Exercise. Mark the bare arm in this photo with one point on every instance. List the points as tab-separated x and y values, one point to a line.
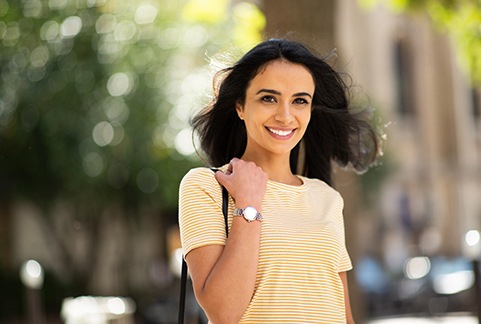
224	277
349	318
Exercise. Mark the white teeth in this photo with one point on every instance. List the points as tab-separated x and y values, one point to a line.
279	132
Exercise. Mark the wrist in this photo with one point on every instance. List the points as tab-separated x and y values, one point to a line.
249	213
246	203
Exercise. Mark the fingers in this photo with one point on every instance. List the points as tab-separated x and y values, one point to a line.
221	177
244	180
230	167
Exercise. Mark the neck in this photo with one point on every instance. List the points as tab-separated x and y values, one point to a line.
277	168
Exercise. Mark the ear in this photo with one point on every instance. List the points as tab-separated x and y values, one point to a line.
240	110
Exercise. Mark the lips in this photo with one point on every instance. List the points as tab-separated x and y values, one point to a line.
279	132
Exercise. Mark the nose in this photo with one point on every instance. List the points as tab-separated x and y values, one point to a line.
284	113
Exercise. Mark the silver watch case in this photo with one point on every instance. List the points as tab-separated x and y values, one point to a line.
249	213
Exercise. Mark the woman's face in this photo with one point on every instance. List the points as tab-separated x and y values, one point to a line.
277	108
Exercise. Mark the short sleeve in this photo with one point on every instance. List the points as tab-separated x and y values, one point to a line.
200	210
345	263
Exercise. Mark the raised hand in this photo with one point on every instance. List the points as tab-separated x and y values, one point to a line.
245	181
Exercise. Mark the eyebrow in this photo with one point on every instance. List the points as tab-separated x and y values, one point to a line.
298	94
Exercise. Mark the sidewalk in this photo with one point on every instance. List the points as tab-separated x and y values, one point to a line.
448	319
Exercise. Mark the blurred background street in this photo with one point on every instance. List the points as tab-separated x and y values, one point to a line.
95	102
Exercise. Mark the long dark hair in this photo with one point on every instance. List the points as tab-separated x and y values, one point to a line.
335	133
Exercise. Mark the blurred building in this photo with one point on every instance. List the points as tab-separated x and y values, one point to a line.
428	195
431	196
425	195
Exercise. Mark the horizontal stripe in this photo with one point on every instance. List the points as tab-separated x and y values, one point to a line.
302	246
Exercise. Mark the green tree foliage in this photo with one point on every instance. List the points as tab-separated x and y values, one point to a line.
461	19
95	99
90	91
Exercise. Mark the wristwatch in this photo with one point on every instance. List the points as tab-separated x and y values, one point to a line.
249	213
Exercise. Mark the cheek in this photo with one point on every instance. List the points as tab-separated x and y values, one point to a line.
306	117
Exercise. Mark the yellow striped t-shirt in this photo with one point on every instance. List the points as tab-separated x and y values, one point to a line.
302	246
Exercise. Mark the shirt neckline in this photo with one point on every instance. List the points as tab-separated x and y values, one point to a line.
285	186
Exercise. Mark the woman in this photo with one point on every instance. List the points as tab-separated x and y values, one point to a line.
278	118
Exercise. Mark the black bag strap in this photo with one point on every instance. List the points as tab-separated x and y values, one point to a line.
183	276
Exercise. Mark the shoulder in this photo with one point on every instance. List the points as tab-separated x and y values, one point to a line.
198	173
200	176
317	184
321	188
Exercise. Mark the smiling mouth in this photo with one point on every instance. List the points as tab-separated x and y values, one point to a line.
280	132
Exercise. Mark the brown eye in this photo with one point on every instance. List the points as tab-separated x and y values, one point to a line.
300	101
268	99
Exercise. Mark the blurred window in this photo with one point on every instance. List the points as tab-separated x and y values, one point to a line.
476	103
403	67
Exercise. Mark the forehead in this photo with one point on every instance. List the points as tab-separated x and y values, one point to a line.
282	74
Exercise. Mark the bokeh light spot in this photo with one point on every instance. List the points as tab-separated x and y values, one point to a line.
3	7
195	36
169	38
39	56
183	142
103	133
57	4
32	8
36	74
94	3
145	14
116	110
116	305
119	134
11	35
472	237
416	268
125	31
105	24
49	31
71	26
93	164
119	84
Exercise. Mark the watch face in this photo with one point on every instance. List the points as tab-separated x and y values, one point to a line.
250	213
